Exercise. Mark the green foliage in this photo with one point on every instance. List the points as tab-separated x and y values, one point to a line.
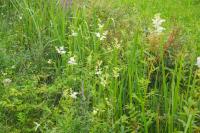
99	66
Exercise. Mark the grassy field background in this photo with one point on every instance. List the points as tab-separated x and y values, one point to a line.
98	66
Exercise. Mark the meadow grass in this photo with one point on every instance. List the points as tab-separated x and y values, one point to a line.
100	66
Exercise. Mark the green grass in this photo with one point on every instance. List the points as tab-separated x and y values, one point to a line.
128	79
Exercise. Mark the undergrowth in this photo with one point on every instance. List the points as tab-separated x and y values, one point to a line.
99	66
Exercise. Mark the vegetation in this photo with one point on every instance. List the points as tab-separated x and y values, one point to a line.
100	66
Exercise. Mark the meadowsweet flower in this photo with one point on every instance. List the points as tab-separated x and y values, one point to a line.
98	35
117	45
104	79
72	61
74	95
100	26
198	62
7	82
101	36
157	24
65	93
157	21
116	72
105	33
74	34
49	61
60	50
20	17
95	111
98	70
109	49
108	102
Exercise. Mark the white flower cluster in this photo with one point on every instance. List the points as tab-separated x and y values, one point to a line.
50	61
98	68
74	34
104	79
72	61
117	44
74	95
116	71
157	24
60	50
101	34
95	111
6	82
